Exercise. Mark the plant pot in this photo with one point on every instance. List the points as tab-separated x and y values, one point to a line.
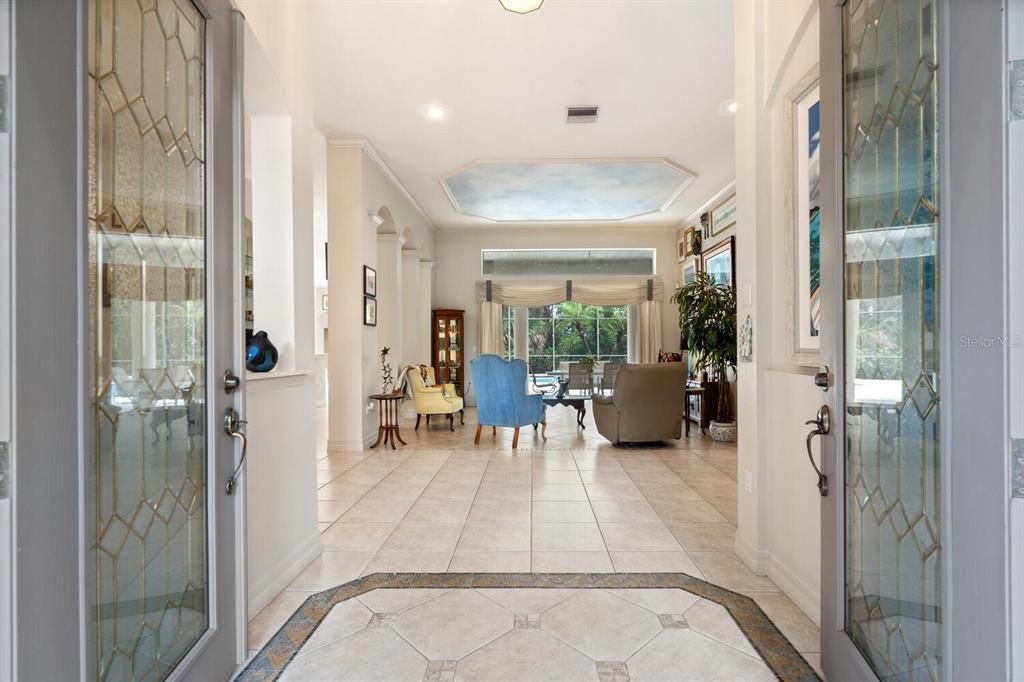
723	432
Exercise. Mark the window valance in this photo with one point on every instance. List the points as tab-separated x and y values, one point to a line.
605	291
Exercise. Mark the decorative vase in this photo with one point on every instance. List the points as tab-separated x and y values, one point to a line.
723	432
260	353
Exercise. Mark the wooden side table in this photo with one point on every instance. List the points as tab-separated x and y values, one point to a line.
700	393
388	407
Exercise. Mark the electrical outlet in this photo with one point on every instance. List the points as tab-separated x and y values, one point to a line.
370	407
748	481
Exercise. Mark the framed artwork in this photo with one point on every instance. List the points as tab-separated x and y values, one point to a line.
719	261
369	281
369	311
682	244
724	216
806	153
686	246
690	268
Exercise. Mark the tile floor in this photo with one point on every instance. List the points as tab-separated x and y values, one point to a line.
572	503
528	634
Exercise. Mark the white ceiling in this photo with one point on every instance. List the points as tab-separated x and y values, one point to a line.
661	71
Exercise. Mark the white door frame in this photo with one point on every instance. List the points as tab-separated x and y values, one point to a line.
972	278
51	410
6	577
1015	285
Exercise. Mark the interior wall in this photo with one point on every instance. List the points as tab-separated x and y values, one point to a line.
280	474
779	507
458	267
358	185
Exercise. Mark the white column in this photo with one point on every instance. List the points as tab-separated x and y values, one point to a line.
410	311
426	306
389	296
345	342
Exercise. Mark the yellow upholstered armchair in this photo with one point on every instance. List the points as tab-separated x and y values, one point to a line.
433	399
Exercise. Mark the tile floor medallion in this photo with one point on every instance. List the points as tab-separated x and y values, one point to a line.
564	559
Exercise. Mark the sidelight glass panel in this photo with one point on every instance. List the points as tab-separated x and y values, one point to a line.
893	500
147	305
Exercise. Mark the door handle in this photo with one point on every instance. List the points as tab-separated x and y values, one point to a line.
231	426
823	424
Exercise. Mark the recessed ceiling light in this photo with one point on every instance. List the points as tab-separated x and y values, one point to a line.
434	112
732	107
521	6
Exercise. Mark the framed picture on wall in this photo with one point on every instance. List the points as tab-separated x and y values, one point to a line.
369	311
681	246
369	281
719	261
690	268
724	216
807	136
686	243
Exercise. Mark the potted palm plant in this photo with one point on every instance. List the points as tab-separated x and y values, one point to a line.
707	320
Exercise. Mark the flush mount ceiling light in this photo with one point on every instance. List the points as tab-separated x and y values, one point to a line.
521	6
434	112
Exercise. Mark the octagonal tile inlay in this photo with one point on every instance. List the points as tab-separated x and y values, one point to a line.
576	190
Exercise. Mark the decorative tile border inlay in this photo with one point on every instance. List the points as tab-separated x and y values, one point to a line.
778	654
612	671
673	620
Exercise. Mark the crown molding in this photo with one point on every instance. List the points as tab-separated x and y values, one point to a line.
371	152
715	199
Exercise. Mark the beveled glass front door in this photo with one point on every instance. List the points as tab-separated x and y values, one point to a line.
148	248
892	501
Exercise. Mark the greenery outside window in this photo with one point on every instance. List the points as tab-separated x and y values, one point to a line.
576	332
508	329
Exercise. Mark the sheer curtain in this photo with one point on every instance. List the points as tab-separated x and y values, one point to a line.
648	332
491	331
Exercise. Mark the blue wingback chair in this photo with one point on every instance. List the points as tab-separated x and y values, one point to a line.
501	398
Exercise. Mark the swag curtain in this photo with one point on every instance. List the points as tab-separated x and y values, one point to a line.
647	292
532	293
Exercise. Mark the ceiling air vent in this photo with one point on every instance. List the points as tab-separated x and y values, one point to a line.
581	114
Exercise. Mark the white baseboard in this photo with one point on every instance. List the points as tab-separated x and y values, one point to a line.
799	592
348	444
756	561
286	570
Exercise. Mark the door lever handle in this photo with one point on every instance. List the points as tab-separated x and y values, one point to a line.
823	424
231	426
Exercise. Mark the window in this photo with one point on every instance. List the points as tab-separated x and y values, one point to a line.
573	332
508	328
567	262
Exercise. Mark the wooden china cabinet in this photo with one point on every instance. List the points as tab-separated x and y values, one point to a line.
446	348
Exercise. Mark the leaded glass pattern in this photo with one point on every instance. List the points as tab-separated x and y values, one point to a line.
146	209
892	411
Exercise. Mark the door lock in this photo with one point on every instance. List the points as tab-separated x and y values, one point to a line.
823	379
231	382
823	424
231	427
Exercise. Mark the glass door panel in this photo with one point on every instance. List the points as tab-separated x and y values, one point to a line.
147	257
893	576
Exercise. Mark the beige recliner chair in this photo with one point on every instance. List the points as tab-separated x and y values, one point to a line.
647	404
